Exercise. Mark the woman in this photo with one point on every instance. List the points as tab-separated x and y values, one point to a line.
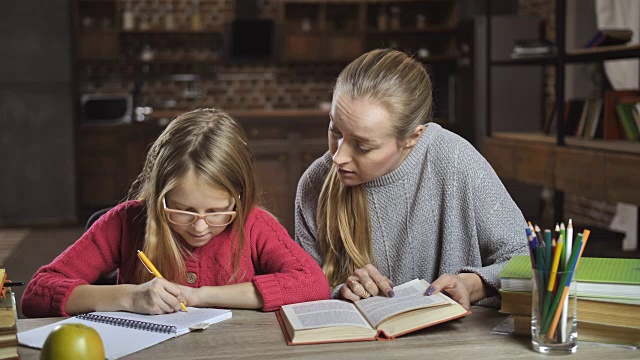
398	198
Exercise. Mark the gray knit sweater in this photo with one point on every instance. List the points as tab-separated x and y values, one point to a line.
443	210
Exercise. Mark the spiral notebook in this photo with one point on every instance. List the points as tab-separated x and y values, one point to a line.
117	329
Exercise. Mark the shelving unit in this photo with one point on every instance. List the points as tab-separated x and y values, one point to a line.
597	169
330	30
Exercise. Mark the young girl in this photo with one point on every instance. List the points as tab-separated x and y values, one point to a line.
195	217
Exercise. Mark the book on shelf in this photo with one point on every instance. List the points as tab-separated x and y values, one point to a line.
124	333
616	312
532	48
588	331
608	37
598	278
589	126
375	318
612	126
626	110
573	114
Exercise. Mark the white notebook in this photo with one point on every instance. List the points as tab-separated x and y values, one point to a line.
118	328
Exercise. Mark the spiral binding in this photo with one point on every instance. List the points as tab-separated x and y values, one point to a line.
134	324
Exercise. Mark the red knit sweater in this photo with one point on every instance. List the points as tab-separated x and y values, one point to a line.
282	272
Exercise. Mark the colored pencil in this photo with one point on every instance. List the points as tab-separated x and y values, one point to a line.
568	247
566	280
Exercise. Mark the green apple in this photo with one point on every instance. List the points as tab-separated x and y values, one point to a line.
73	341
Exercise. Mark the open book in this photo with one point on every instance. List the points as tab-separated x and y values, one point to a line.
374	318
124	333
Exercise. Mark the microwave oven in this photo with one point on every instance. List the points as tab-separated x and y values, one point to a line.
106	109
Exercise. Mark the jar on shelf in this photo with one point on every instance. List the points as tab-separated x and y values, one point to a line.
306	24
128	17
169	18
196	20
423	53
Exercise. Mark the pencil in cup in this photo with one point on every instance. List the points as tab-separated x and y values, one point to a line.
552	312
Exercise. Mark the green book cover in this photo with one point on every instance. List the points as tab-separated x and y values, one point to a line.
519	267
607	278
596	270
625	113
609	270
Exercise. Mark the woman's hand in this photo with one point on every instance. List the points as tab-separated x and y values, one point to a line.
366	282
464	288
158	296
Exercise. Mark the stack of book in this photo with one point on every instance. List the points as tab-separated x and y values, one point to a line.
532	48
609	37
608	298
8	319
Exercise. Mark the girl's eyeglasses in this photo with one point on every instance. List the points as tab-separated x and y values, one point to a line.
179	217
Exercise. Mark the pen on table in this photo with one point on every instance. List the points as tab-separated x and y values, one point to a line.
152	269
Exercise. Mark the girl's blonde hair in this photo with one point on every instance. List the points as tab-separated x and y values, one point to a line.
402	86
213	146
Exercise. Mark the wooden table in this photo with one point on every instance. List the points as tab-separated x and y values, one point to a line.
252	334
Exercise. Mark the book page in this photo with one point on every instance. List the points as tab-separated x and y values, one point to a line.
409	296
323	313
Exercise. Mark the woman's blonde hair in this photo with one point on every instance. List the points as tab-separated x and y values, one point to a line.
213	146
402	86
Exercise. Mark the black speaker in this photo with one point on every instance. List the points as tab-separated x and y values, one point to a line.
252	39
247	8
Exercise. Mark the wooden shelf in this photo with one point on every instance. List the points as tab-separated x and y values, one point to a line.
533	60
596	169
622	146
603	53
578	55
414	31
282	113
169	32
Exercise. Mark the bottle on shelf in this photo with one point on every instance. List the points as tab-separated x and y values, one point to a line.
395	18
421	21
169	17
128	18
145	24
382	18
196	21
155	19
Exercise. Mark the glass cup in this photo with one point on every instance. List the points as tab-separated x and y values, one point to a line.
554	313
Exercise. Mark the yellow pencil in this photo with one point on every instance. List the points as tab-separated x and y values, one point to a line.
556	261
152	269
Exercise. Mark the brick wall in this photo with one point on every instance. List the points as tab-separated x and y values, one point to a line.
215	82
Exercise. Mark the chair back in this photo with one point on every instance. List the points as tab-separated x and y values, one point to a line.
111	278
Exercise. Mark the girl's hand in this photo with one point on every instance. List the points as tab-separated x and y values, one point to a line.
366	282
191	296
464	288
158	296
